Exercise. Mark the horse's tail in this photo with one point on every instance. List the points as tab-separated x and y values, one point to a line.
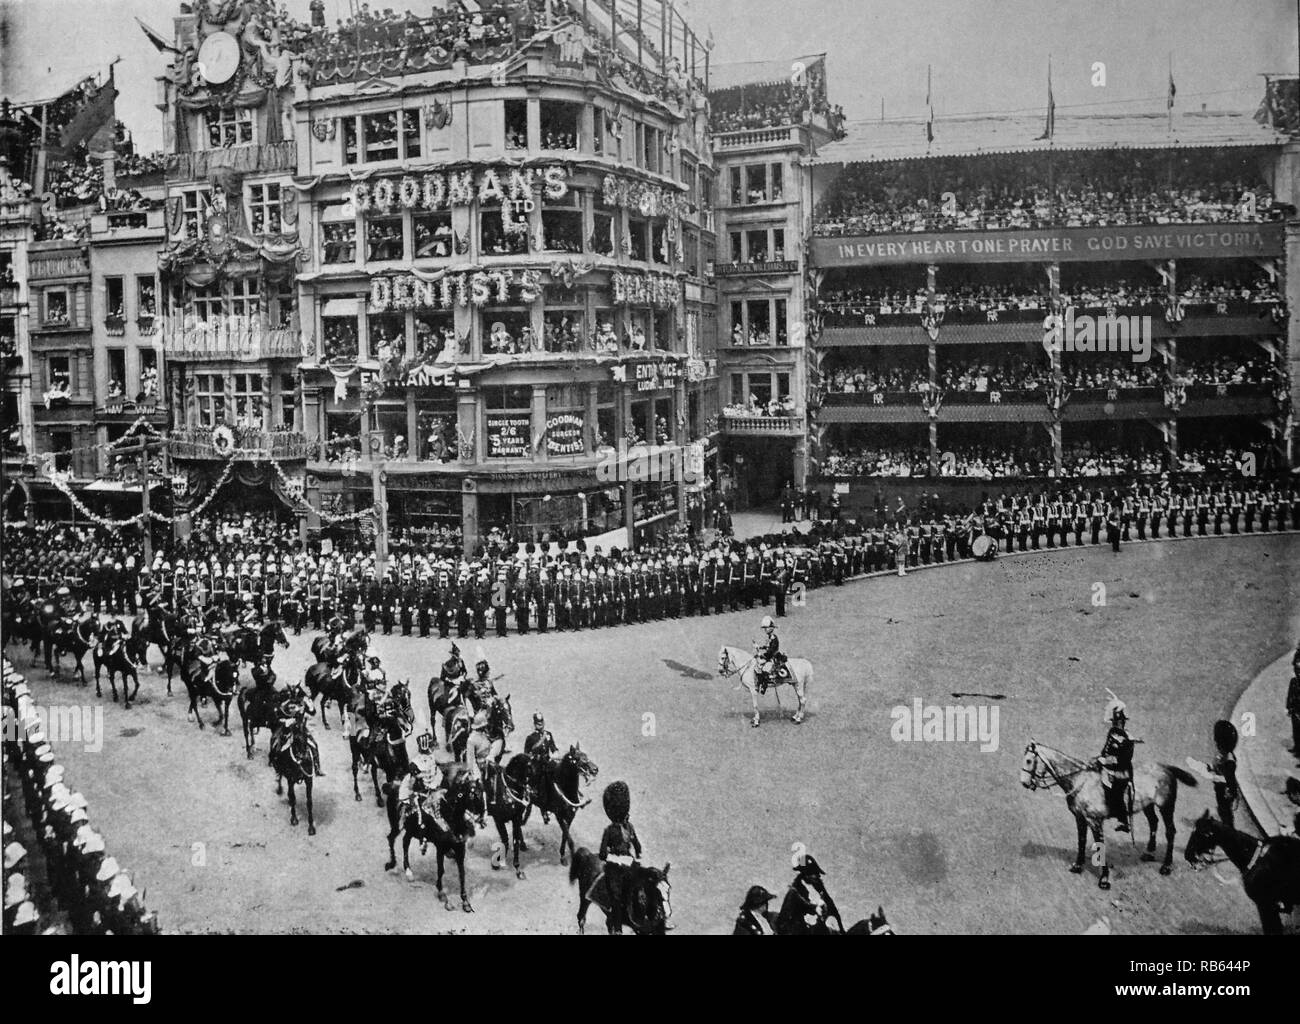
579	861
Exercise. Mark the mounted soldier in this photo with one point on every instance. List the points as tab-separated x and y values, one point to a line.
1116	762
807	905
540	747
770	663
620	850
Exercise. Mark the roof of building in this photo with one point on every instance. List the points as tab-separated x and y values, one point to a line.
878	141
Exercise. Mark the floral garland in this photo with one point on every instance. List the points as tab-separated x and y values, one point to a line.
649	200
305	505
60	482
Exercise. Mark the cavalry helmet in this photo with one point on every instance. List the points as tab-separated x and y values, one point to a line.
538	721
1225	736
767	622
617	800
1115	709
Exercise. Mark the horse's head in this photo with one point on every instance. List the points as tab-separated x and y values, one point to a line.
878	925
577	759
651	900
1034	773
725	667
501	715
466	800
1203	840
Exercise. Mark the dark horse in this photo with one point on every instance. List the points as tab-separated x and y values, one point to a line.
557	790
1270	868
447	822
154	626
67	637
510	799
248	646
217	682
256	711
381	745
115	656
291	758
646	903
325	683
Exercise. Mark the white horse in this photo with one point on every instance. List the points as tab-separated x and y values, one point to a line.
733	661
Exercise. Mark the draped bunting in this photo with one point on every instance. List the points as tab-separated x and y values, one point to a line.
306	184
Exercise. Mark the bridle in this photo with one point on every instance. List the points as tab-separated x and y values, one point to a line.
1049	776
726	669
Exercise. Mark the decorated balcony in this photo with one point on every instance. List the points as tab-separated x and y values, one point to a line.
764	426
224	442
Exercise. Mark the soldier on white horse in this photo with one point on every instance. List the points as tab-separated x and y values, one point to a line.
767	668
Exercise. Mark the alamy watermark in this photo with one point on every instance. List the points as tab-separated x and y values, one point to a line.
645	464
1083	332
945	723
62	723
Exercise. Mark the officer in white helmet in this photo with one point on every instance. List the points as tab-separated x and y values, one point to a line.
767	651
1116	761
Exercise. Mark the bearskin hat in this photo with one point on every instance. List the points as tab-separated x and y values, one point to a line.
618	802
1225	736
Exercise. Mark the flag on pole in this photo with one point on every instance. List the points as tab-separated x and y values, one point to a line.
929	103
1173	90
1049	129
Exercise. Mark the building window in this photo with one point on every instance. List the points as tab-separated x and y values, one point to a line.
146	297
61	445
116	372
435	335
432	233
603	238
559	123
759	326
338	235
232	127
494	237
778	322
386	336
288	387
410	134
637	229
210	393
383	239
59	374
379	134
660	252
148	374
737	247
562	222
598	131
286	305
350	140
57	309
243	298
507	398
247	394
206	303
340	333
264	209
757	245
516	112
194	212
115	298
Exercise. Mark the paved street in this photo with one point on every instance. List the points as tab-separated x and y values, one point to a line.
939	833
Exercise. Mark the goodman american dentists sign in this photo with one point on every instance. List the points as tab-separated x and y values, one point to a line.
1171	241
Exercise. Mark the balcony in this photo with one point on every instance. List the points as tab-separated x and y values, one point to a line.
763	426
231	338
126	410
200	165
246	445
782	136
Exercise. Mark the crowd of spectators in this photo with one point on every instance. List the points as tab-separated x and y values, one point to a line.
1090	372
1085	459
773	408
997	193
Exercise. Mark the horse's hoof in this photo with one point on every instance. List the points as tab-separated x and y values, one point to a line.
410	875
564	859
1166	869
379	801
523	847
754	724
294	820
358	798
1104	884
390	865
465	906
1076	869
520	875
1147	858
311	830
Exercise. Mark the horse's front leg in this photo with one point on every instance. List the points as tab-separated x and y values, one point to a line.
1077	866
311	820
374	781
320	709
459	854
356	757
1099	853
293	803
1149	854
1167	812
135	689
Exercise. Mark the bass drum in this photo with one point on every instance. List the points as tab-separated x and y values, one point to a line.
983	548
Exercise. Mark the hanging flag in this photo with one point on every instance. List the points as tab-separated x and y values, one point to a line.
929	121
1049	129
1173	90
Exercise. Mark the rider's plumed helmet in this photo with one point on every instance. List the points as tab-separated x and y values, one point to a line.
617	800
1115	711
